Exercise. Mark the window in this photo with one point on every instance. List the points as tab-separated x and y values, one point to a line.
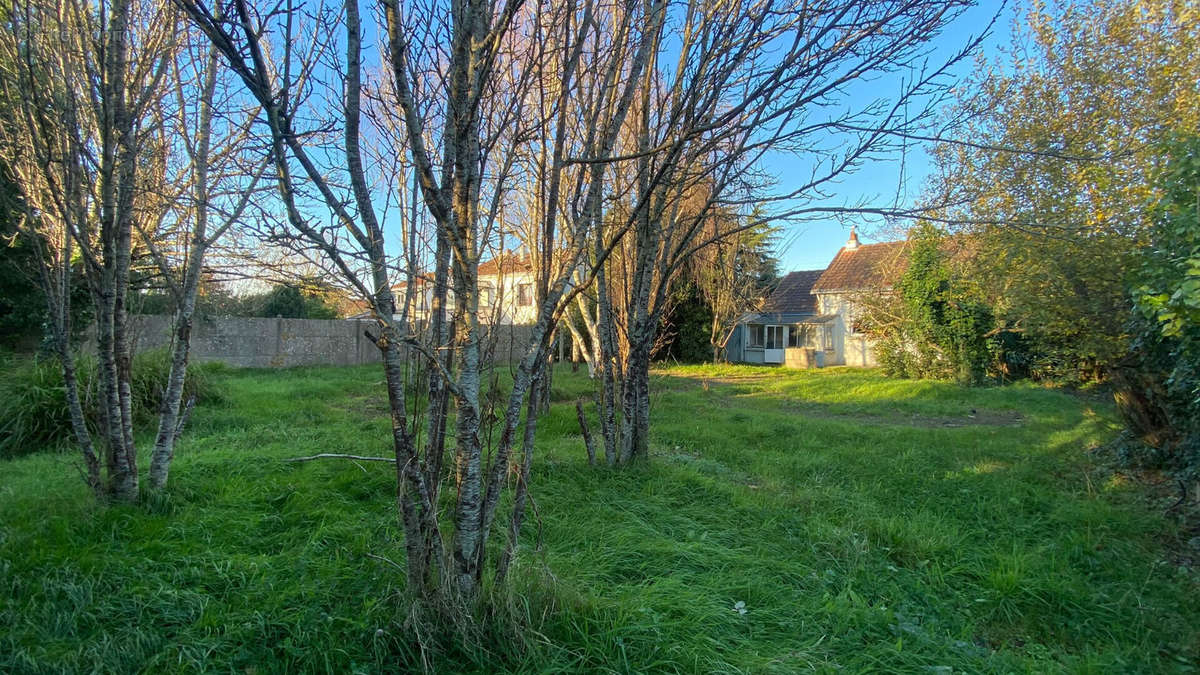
796	335
756	335
774	337
524	294
827	337
487	295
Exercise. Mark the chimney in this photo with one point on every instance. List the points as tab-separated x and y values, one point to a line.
852	242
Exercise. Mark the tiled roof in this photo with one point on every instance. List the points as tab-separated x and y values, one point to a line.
865	267
794	293
350	307
506	263
421	280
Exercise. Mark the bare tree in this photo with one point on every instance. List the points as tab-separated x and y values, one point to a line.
84	147
474	100
616	163
729	273
747	79
216	182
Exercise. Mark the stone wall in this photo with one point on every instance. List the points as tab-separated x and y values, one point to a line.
279	343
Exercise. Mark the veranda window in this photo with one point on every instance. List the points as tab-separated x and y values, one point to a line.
756	335
774	337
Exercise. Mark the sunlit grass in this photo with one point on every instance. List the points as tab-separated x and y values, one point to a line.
862	523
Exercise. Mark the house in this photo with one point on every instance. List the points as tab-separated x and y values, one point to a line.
810	319
857	269
506	292
787	330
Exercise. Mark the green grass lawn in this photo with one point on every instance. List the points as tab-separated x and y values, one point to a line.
866	524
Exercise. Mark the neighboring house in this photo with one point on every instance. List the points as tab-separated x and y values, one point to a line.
787	330
810	319
506	292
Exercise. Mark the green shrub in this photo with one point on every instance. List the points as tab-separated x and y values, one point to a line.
1158	387
894	357
936	326
33	401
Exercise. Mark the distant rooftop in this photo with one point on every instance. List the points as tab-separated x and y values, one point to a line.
506	263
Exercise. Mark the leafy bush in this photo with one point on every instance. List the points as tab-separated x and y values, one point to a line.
33	401
893	357
1158	390
935	327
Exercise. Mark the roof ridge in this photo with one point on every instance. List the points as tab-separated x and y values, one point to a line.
862	267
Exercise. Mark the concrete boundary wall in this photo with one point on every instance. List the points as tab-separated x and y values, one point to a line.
279	343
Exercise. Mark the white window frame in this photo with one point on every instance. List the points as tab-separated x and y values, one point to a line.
798	334
750	342
773	337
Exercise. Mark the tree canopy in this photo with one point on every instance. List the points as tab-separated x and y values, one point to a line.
1062	143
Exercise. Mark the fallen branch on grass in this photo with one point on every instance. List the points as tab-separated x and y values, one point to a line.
183	419
330	455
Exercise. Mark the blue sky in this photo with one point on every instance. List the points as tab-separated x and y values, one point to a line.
813	244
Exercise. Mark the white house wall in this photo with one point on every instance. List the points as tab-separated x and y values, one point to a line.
504	308
851	349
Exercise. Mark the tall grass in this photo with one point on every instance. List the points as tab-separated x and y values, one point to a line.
864	524
33	401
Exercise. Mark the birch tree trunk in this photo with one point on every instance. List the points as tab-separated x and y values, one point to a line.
79	151
168	418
